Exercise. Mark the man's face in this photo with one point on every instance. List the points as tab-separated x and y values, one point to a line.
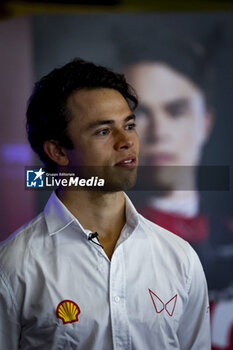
103	134
172	120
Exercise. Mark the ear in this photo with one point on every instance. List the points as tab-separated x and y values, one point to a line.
209	123
56	152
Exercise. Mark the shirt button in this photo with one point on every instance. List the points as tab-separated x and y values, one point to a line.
100	254
116	299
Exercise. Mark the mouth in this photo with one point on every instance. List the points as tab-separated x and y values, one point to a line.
129	162
161	159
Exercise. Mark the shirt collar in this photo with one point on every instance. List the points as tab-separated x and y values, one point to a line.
58	217
132	216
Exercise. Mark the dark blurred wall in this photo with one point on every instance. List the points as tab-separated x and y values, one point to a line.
17	205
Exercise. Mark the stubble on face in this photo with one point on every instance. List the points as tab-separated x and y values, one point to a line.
118	179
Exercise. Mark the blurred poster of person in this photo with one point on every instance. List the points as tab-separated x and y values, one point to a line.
175	117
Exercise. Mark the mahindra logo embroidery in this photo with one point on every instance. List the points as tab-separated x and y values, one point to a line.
160	306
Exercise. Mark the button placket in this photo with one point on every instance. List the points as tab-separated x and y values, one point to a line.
99	261
119	318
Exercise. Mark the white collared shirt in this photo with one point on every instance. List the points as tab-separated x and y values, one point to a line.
152	295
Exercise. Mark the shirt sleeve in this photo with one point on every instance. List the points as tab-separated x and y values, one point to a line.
9	325
194	328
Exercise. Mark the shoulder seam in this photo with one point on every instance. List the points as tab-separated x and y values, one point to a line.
190	275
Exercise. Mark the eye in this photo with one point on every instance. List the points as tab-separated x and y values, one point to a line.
142	112
102	132
178	109
131	126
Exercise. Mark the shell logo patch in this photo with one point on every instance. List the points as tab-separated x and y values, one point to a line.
68	311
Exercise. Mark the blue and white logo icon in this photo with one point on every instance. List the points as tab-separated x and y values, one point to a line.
35	178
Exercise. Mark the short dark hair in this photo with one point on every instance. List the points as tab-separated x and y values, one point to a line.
47	113
187	54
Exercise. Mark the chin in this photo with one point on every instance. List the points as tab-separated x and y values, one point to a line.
123	183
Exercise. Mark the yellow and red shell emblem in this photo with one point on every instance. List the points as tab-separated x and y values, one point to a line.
68	311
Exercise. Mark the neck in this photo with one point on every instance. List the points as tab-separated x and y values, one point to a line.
180	194
185	203
102	212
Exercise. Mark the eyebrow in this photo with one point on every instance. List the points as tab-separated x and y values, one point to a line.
108	122
185	101
181	101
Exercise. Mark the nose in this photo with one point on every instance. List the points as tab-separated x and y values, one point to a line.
123	140
157	129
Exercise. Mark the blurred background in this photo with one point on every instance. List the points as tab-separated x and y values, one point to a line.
163	48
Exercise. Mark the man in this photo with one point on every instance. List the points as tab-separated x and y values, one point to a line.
138	286
174	121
